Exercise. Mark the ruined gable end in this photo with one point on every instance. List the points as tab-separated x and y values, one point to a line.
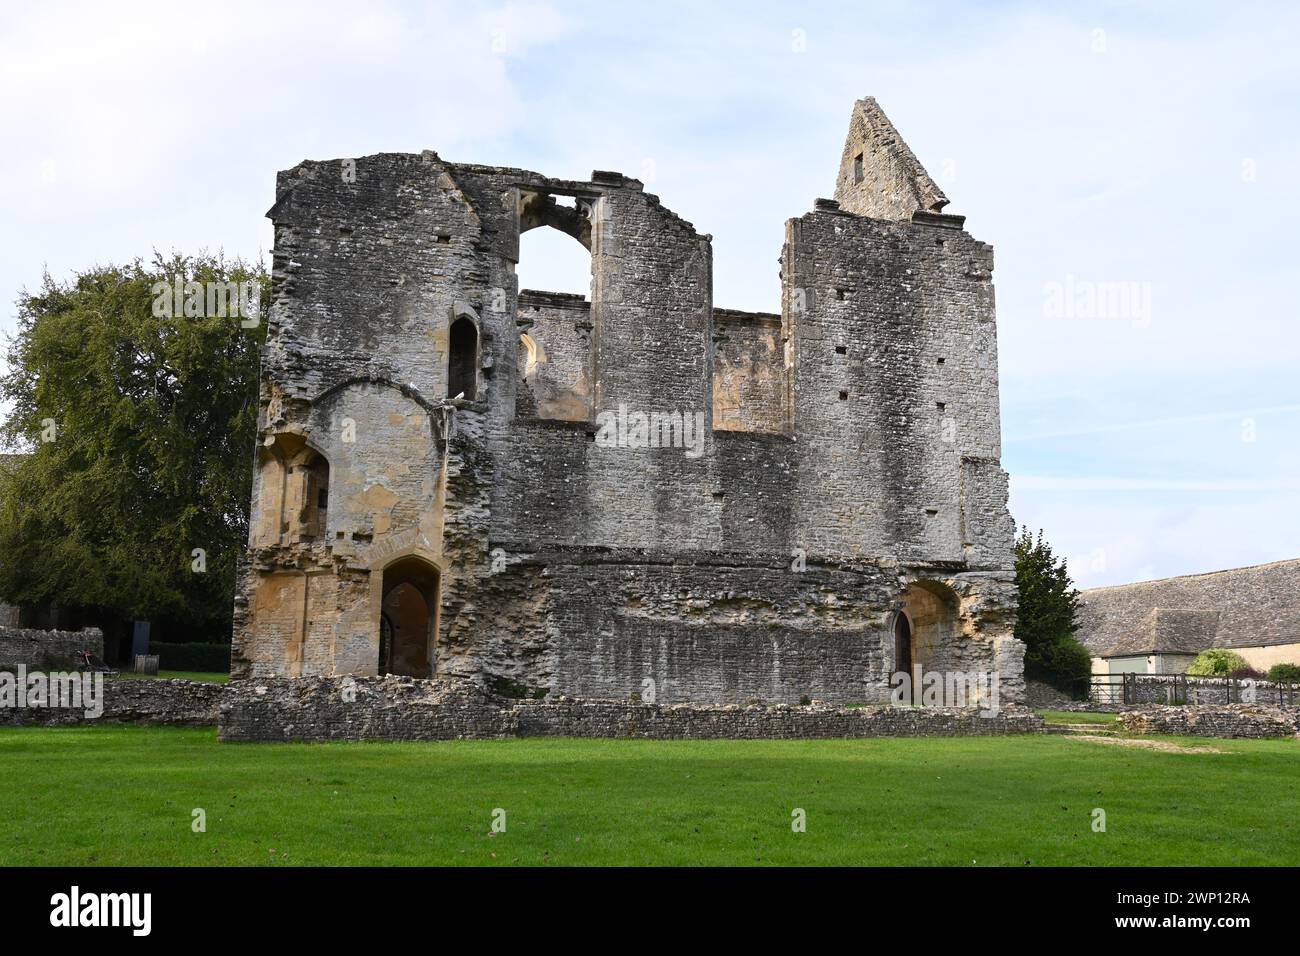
879	175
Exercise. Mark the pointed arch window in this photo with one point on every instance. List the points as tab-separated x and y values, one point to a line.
462	360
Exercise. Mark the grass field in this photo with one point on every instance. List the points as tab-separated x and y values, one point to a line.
124	795
210	676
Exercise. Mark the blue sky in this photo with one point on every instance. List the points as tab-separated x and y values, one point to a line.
1148	147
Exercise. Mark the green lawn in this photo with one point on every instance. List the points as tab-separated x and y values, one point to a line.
210	676
124	795
1077	717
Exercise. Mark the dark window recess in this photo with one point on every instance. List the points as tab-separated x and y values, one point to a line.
841	350
857	168
462	360
844	396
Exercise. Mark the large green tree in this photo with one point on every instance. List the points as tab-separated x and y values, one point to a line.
138	423
1046	619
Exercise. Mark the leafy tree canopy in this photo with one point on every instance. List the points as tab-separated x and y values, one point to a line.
1284	672
138	430
1046	619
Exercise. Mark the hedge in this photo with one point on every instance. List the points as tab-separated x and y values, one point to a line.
192	657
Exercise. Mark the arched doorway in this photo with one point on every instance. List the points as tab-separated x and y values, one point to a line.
902	645
928	622
409	619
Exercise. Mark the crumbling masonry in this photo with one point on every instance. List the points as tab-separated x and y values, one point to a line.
455	477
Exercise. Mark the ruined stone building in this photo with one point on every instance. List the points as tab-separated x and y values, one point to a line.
633	492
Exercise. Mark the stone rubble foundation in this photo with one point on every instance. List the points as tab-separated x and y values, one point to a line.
317	709
403	708
1225	720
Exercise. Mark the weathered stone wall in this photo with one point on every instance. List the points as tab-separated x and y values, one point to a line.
750	380
556	367
1228	720
896	390
854	455
37	649
717	628
136	701
395	708
1152	689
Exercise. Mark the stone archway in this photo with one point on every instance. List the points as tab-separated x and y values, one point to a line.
930	612
409	618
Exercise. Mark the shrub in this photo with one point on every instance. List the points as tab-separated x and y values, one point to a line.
1285	673
1063	663
1247	673
213	658
1216	662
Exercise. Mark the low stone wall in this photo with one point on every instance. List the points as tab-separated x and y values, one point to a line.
129	700
398	708
1086	707
1199	691
1042	696
1226	720
34	648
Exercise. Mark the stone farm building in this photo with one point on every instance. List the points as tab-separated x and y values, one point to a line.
1158	627
575	495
